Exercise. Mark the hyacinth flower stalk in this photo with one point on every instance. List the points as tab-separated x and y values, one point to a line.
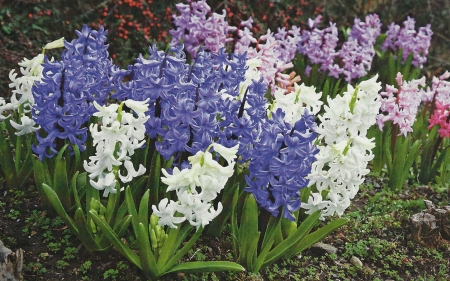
15	150
161	234
120	134
344	149
63	105
269	227
397	148
352	61
435	113
402	49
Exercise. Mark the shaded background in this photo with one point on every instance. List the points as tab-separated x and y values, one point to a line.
27	25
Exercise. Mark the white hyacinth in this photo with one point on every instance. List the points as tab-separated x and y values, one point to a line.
345	150
120	134
196	187
295	103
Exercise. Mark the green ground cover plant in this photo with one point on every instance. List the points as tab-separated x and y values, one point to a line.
151	140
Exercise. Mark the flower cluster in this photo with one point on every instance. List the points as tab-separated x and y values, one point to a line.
295	103
195	29
354	58
319	45
409	41
31	71
196	187
400	105
185	99
342	160
64	96
440	94
274	52
357	52
281	158
121	133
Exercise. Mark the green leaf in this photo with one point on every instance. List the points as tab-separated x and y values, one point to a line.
179	254
143	209
234	225
286	248
115	240
153	182
61	183
319	234
148	261
85	232
248	229
56	203
122	226
7	159
206	266
132	210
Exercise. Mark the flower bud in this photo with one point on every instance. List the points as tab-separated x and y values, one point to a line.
55	44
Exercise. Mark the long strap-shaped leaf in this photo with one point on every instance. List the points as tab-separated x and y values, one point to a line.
56	203
120	246
148	261
248	232
206	266
86	236
319	234
285	248
273	227
179	254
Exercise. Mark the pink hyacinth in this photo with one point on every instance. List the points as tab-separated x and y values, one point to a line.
440	117
440	93
400	105
275	51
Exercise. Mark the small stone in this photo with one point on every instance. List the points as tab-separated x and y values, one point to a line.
327	248
356	262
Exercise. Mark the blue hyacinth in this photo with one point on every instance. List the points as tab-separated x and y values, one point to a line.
186	101
280	159
64	98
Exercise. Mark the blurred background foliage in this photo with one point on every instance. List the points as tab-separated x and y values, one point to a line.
27	25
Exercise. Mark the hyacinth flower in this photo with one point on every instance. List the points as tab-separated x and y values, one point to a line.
16	165
161	235
403	50
323	65
281	153
273	51
434	155
344	149
196	187
357	53
396	148
184	100
63	98
198	27
121	133
118	136
409	40
196	31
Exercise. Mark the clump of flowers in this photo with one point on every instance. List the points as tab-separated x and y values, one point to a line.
399	105
319	45
282	151
409	41
440	93
121	133
344	150
353	60
65	94
196	187
195	29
